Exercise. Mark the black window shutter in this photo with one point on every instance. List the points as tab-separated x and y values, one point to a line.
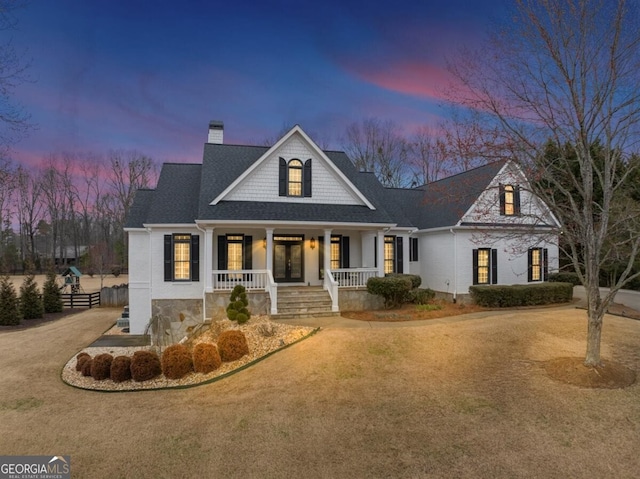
321	257
168	258
494	266
545	264
344	252
516	200
283	177
375	251
399	255
222	252
307	178
414	250
475	266
195	258
501	190
530	265
248	252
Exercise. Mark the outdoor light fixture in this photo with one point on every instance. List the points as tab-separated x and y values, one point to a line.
264	242
312	243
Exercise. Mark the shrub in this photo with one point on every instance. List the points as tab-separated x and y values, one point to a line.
565	278
9	304
495	296
145	365
101	366
232	345
51	296
30	302
421	295
121	369
206	358
237	309
415	279
86	367
394	289
80	360
176	361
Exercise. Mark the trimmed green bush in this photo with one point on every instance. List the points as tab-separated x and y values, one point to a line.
51	296
30	302
9	304
237	309
176	361
206	358
421	295
415	279
145	365
565	278
232	345
394	289
121	369
495	296
101	367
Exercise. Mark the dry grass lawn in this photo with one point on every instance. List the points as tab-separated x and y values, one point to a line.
465	398
88	284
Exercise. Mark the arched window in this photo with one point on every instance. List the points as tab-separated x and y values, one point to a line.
294	175
509	200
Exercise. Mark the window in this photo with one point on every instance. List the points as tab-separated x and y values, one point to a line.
485	266
235	252
295	177
181	257
538	264
413	249
389	254
335	252
235	245
509	200
338	253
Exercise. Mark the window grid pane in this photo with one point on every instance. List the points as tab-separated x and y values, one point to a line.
536	265
295	178
389	256
509	209
335	255
483	266
182	257
234	256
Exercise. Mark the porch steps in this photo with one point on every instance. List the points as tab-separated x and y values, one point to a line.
303	302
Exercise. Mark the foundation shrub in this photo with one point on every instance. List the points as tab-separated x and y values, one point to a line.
81	359
86	367
421	295
237	309
176	361
206	358
145	365
232	345
101	367
394	289
121	369
495	296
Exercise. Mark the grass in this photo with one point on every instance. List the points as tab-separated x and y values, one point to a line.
428	307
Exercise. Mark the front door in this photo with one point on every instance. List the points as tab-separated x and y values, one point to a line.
288	257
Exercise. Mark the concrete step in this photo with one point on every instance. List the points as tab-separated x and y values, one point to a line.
323	314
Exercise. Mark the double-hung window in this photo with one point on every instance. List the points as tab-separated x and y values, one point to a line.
538	264
181	257
295	177
485	266
510	200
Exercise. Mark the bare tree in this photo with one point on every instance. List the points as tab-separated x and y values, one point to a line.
379	147
29	211
567	71
430	159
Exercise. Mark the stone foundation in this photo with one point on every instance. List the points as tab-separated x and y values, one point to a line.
358	300
216	304
178	318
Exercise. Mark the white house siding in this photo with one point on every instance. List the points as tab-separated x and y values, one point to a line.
139	284
262	184
441	251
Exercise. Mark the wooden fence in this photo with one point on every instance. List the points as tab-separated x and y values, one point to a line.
114	297
81	300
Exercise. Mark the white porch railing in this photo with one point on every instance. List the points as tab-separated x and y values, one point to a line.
331	285
353	277
251	279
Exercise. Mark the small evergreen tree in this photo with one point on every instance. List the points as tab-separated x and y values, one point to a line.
30	301
9	310
51	296
237	309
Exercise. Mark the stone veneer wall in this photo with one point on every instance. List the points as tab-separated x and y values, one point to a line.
216	304
358	300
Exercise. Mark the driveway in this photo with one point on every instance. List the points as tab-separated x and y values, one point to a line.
463	398
624	296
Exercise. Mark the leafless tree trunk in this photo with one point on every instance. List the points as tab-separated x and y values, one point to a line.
29	210
429	157
567	71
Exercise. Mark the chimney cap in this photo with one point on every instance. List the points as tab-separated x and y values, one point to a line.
216	125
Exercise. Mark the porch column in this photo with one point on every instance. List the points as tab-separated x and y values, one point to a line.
327	250
269	252
208	259
405	254
380	253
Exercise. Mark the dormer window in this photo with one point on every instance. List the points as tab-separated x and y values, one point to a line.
509	200
295	177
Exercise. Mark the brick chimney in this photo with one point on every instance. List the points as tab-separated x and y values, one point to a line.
216	132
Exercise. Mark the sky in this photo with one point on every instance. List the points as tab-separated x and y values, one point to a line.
149	76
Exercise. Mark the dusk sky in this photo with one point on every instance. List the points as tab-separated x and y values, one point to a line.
151	75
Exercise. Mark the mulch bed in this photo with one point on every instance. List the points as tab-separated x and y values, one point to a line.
46	319
608	375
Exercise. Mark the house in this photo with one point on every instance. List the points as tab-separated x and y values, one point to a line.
292	220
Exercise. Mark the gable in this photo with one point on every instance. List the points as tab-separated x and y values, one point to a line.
261	181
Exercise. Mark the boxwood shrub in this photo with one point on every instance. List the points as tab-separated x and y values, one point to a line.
496	296
394	289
